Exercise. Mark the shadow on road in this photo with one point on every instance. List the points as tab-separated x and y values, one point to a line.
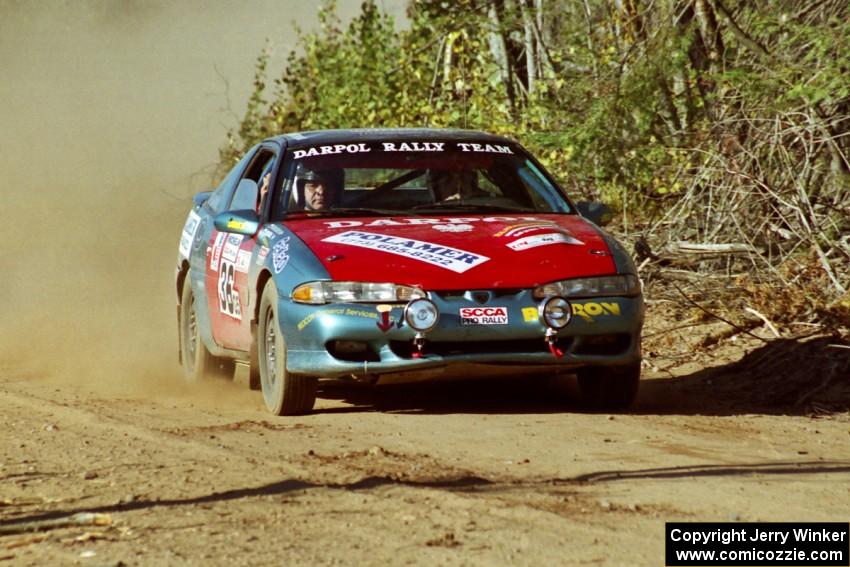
464	482
783	377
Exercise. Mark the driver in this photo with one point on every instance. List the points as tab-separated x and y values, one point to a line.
453	185
319	190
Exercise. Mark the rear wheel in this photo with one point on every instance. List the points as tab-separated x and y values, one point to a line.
284	393
198	362
609	387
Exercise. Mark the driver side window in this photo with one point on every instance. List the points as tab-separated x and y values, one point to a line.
222	193
259	171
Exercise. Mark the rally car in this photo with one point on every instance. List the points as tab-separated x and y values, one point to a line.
397	255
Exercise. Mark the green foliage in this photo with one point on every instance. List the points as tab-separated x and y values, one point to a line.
627	100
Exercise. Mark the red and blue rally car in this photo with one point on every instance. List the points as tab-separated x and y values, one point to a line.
395	255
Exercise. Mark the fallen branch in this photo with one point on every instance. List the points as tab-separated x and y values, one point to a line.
716	316
766	321
700	248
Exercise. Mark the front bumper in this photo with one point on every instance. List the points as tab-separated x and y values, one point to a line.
371	342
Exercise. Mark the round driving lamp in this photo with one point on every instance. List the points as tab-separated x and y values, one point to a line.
555	312
421	314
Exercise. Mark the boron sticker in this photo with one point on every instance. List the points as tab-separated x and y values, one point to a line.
543	240
483	315
453	259
193	221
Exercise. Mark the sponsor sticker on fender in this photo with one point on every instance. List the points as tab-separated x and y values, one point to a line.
261	255
193	221
446	257
483	315
543	240
280	254
243	261
231	247
215	256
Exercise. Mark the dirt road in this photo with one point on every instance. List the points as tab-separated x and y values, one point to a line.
489	473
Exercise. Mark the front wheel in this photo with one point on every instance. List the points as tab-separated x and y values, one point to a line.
609	387
284	393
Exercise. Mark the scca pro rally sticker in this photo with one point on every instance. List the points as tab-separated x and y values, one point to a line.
543	240
483	315
446	257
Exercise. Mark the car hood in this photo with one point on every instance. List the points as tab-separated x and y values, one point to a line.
457	252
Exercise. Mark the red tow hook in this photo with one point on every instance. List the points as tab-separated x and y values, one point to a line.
419	343
550	341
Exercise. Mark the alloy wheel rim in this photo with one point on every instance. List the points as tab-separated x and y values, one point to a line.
193	333
271	349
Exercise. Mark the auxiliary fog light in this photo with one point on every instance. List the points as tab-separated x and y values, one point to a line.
422	315
555	312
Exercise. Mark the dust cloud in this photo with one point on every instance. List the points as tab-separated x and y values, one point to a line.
111	114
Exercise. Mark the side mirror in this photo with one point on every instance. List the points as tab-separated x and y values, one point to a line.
200	198
596	212
244	222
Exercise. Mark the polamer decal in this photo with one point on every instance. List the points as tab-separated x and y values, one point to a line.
453	259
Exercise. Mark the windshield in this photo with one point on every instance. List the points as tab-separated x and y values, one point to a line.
387	178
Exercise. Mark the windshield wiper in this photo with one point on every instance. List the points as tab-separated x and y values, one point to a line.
344	212
471	207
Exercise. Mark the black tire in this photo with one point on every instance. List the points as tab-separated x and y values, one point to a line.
198	363
284	393
609	387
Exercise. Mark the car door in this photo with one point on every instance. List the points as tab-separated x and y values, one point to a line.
228	264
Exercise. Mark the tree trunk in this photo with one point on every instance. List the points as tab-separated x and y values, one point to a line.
499	51
530	46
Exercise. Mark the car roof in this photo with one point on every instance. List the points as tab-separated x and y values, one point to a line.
355	135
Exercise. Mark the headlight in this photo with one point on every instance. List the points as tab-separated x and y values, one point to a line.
422	315
318	293
622	285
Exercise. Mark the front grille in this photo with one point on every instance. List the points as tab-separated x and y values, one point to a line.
404	349
352	351
469	294
603	344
